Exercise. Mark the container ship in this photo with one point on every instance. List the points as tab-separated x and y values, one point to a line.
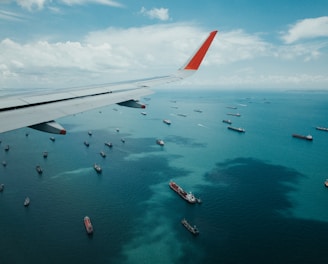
189	197
88	225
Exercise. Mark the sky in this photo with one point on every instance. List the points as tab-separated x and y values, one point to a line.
54	44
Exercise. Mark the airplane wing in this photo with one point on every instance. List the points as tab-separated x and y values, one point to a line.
39	110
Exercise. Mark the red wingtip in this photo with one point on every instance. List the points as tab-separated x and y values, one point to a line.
63	132
196	60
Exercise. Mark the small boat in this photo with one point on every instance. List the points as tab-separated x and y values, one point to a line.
117	130
123	140
4	163
227	121
109	144
86	143
2	186
160	142
97	168
198	111
189	227
90	133
103	154
7	148
238	129
232	107
308	137
52	139
27	201
183	115
326	183
45	154
167	121
88	225
39	169
143	113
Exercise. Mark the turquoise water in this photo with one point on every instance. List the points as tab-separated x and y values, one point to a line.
263	195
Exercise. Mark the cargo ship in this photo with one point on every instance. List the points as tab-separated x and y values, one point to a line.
39	169
27	201
326	183
227	121
308	137
189	197
160	142
88	225
234	114
166	121
189	227
322	128
238	129
97	168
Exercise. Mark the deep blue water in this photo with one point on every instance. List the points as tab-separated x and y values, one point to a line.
263	195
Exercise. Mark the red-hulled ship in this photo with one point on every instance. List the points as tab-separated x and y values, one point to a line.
189	197
88	225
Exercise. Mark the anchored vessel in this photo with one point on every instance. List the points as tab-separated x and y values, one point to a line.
227	121
160	142
88	225
238	129
234	114
109	144
39	169
326	183
97	168
308	137
322	128
166	121
189	227
189	197
27	201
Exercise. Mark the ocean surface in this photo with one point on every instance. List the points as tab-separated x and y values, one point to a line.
263	193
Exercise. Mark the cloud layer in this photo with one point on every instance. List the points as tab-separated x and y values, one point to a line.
307	29
236	58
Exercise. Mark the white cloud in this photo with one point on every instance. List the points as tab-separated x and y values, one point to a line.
156	13
307	29
32	5
101	2
11	16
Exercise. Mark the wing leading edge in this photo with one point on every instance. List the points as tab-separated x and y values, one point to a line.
39	110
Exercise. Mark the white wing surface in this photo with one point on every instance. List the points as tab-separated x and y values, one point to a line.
40	110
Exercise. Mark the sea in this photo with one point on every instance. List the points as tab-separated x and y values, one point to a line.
262	191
